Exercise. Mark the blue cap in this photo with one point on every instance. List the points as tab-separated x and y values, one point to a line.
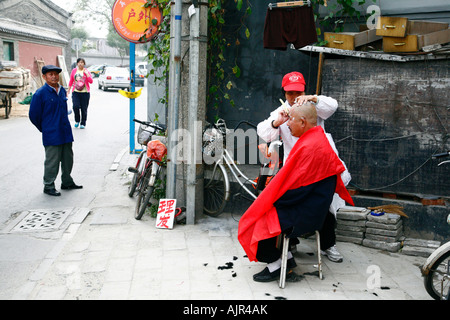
50	67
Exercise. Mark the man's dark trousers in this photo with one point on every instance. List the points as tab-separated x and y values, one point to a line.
54	155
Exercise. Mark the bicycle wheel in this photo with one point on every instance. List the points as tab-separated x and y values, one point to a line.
142	191
216	189
433	280
145	195
136	175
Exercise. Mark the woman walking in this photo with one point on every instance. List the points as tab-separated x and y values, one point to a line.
80	80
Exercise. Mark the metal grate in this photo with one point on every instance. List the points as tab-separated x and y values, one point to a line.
42	220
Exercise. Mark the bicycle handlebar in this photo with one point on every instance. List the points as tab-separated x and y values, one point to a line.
440	155
245	121
159	127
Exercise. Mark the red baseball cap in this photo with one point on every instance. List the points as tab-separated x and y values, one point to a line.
293	81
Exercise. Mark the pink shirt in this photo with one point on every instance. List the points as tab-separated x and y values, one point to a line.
88	80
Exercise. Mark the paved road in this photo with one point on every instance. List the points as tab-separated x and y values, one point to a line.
21	170
95	148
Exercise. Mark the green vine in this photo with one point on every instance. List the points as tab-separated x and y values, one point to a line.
218	42
159	192
159	48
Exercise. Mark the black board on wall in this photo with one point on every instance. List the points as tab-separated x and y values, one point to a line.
392	117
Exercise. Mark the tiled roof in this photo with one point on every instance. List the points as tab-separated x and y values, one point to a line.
32	31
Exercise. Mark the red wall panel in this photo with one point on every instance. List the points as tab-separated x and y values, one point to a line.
29	51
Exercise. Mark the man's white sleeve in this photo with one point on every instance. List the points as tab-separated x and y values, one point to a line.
265	130
326	107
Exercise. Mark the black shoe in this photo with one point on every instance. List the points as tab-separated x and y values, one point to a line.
73	186
291	263
266	275
52	192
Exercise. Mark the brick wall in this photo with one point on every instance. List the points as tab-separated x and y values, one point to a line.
28	51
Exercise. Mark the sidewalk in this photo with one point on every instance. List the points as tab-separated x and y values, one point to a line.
110	255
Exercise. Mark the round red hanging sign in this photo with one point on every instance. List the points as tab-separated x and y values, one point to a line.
134	22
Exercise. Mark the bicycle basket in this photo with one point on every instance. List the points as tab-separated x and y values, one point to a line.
145	134
212	142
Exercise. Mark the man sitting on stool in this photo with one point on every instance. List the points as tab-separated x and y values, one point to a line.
297	199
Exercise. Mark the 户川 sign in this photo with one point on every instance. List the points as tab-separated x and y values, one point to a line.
134	22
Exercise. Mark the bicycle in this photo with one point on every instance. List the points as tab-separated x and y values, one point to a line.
143	137
436	269
216	180
150	165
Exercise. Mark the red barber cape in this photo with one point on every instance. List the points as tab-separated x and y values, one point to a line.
311	159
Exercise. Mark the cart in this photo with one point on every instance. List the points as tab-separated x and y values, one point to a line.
13	80
6	94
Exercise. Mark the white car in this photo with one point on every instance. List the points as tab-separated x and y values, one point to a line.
114	78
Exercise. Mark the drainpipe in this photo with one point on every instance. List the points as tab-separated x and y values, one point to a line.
174	108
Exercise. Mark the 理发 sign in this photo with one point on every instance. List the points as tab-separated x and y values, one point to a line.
166	213
134	22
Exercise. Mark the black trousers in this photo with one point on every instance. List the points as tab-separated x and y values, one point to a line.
80	103
54	157
268	251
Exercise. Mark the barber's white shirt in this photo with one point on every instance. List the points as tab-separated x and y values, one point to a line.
326	107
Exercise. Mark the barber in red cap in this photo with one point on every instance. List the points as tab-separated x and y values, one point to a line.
297	200
48	112
274	127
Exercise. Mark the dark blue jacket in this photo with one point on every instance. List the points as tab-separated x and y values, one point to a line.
303	210
48	112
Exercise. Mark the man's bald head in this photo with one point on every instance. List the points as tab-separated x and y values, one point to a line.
302	118
307	110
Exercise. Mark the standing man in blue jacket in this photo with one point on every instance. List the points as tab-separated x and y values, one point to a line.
48	112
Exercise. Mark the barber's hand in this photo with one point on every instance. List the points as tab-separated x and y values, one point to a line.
302	99
282	118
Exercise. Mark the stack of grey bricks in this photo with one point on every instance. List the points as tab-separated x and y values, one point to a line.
351	224
358	225
419	247
384	232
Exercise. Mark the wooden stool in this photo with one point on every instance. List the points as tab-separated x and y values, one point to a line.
284	259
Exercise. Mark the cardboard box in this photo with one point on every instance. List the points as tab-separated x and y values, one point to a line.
350	40
424	27
401	27
415	42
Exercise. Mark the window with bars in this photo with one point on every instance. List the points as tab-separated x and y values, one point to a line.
8	50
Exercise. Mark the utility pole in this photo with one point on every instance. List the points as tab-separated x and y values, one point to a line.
174	94
191	181
188	100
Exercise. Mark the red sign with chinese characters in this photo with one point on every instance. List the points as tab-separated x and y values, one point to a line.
134	22
166	213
